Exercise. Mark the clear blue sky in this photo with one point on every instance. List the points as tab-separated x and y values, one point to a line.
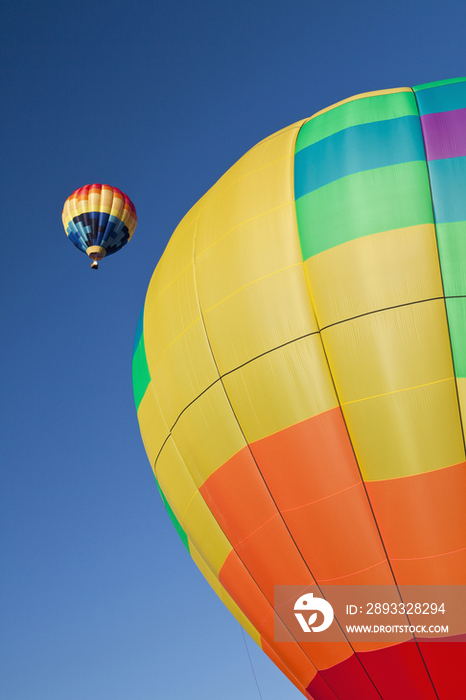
99	599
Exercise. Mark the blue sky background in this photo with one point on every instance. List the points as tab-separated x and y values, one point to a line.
99	599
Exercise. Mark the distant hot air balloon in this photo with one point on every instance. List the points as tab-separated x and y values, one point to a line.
99	220
300	379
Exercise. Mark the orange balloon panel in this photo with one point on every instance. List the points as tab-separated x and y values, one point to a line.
300	379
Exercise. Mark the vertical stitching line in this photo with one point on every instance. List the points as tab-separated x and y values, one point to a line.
220	378
360	473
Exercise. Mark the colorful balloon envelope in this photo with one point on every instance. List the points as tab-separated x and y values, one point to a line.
99	220
300	379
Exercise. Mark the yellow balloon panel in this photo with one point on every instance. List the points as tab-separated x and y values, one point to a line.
184	372
281	388
461	388
154	428
260	182
380	271
258	318
205	532
177	257
171	314
406	432
256	249
396	349
207	434
174	479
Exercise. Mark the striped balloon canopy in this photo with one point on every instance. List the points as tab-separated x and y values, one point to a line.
99	220
300	381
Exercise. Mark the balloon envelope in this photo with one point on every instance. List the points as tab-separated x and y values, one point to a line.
300	379
99	220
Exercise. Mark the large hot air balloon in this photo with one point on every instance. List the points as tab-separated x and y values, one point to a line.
99	220
300	379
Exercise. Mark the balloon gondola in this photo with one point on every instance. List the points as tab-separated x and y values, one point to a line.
299	374
99	220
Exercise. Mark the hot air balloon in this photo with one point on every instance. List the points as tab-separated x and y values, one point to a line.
300	379
99	220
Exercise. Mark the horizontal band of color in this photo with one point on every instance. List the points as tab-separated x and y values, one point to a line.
260	317
452	252
437	83
113	227
407	677
448	181
418	430
393	350
238	498
441	667
356	98
376	272
243	247
445	662
102	216
356	149
367	673
394	376
321	482
101	225
445	134
441	98
461	390
118	213
361	111
96	192
111	221
456	310
450	568
429	521
281	388
117	206
363	204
